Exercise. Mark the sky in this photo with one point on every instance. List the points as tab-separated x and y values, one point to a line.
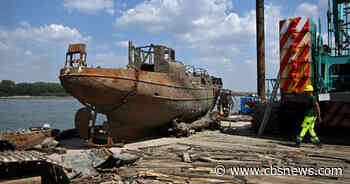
218	35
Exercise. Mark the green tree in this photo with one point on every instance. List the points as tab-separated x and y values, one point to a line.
7	87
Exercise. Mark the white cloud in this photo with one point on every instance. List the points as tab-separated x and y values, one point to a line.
3	33
104	55
226	61
100	47
122	43
210	23
215	34
109	59
28	53
307	10
215	64
24	23
36	53
248	61
52	35
208	30
90	6
3	46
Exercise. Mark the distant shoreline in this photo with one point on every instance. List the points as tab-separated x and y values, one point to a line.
32	97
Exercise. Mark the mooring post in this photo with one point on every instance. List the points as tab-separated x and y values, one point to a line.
260	48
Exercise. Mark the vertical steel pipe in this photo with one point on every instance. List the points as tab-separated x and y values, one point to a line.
260	48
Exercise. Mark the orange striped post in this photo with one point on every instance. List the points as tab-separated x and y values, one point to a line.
295	59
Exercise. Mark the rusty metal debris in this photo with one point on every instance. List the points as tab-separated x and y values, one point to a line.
14	164
35	136
18	163
90	163
154	90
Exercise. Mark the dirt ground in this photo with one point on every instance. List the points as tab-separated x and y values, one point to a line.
217	156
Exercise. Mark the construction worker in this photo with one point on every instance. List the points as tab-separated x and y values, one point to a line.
312	113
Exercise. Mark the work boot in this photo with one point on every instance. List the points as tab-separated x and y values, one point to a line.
298	141
317	143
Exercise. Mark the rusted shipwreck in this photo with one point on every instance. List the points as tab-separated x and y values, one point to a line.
153	90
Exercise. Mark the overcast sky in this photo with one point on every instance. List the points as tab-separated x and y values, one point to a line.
218	35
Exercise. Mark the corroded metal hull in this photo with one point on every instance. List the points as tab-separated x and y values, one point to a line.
137	102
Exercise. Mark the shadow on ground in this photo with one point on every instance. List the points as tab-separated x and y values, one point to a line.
334	136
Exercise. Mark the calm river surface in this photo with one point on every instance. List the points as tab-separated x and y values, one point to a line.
58	112
25	113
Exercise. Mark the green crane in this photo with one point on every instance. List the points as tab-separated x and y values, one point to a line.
333	60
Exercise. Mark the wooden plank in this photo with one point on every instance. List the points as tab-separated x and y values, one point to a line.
31	180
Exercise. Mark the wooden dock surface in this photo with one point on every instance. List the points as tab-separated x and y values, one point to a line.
194	159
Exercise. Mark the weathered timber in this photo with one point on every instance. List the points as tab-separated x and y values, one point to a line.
17	164
162	160
208	149
232	162
29	180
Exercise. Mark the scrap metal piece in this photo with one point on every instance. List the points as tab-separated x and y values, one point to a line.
26	139
32	163
5	144
88	162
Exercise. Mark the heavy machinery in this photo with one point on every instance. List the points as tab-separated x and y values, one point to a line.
226	102
306	60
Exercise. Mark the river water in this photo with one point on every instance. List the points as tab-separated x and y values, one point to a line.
29	112
58	112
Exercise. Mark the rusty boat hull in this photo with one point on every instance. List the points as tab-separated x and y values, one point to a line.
135	106
150	92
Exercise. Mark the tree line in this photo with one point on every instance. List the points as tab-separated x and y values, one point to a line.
10	88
